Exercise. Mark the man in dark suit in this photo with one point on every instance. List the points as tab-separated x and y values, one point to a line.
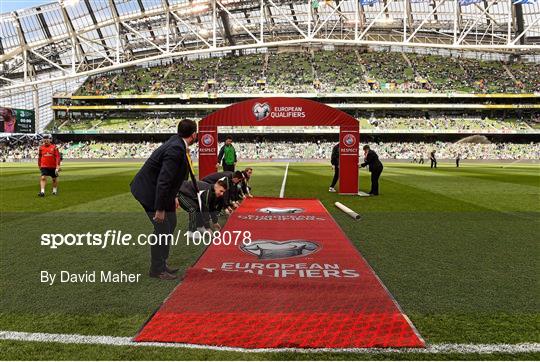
334	160
433	159
156	186
371	159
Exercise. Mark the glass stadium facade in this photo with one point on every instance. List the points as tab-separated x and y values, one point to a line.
55	47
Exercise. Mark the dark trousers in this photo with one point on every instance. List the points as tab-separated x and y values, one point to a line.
457	162
336	176
228	167
375	181
195	217
433	163
159	253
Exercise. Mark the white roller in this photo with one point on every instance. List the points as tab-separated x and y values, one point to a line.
348	211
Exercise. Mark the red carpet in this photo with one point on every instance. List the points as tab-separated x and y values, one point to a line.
300	284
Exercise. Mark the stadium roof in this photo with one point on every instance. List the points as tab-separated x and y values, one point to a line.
74	38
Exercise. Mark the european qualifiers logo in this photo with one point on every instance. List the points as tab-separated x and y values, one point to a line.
272	213
281	210
264	110
270	253
261	111
271	249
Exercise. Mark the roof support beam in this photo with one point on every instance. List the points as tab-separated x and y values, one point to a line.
227	25
520	24
293	13
121	38
29	70
98	29
171	20
78	53
43	23
143	10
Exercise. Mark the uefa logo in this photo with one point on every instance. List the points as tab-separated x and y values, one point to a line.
207	140
349	140
261	111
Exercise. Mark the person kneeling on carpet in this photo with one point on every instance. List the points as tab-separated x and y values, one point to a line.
245	188
202	205
230	199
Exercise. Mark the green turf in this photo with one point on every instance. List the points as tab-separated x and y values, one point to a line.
48	351
457	248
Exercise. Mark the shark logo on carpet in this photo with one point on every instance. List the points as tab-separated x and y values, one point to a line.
280	210
272	249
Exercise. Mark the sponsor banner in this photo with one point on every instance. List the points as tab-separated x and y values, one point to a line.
349	141
279	111
297	283
208	149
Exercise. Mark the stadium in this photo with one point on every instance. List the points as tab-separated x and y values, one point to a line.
247	122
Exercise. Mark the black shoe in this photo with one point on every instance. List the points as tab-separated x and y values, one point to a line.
171	270
372	194
54	193
41	194
163	275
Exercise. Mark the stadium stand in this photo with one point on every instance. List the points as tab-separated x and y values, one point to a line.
323	71
270	150
349	78
485	125
376	124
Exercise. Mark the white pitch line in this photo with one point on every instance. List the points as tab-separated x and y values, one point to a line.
511	163
128	341
282	192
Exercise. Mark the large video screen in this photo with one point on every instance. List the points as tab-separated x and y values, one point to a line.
17	120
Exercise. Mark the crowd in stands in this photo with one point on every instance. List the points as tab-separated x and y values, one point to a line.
447	124
265	150
320	71
466	151
348	78
390	71
168	125
470	75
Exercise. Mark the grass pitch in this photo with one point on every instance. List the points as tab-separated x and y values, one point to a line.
457	248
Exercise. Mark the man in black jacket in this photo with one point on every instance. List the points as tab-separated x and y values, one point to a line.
156	185
334	160
371	159
201	205
433	159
